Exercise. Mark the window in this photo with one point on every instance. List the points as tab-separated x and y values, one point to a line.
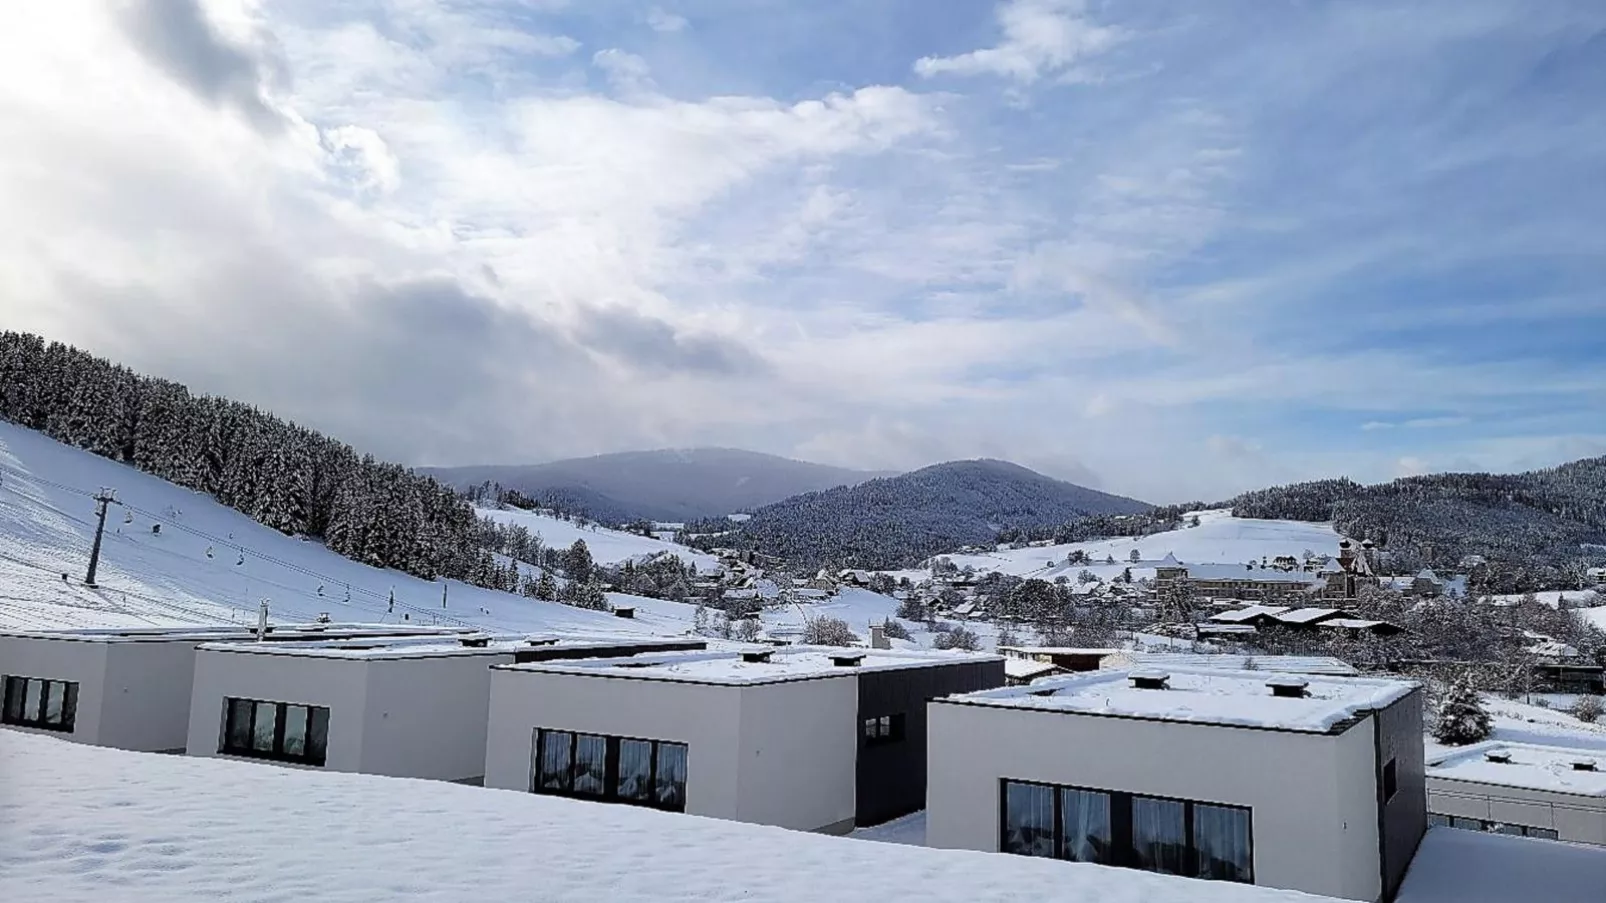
282	731
883	729
1391	780
1490	827
1438	821
1178	837
50	705
610	769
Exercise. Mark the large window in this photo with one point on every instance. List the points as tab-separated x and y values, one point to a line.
284	731
1177	837
1493	827
883	729
35	702
610	769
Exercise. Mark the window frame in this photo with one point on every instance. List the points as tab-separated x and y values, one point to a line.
611	762
1390	780
39	719
880	730
309	755
1122	852
1490	826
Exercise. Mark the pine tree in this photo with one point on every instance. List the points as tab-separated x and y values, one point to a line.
577	564
1461	716
546	588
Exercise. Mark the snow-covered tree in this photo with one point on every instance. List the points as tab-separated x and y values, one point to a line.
577	562
1461	718
958	638
828	632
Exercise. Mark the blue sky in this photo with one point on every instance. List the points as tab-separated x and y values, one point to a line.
1171	250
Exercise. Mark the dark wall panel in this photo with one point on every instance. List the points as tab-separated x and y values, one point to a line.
1404	818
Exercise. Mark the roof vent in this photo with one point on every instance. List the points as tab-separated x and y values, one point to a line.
757	656
1048	692
847	659
1584	765
1289	687
624	612
1150	679
475	642
542	641
1498	756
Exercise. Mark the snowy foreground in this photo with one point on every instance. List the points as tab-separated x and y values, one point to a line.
1454	866
90	824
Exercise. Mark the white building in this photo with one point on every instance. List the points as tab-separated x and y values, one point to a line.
128	688
809	738
1551	792
1301	782
411	708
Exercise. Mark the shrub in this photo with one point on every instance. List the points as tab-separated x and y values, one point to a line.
829	632
1587	709
1461	717
895	630
958	638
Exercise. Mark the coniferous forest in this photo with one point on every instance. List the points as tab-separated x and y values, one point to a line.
288	477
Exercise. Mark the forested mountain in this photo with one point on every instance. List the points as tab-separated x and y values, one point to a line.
287	477
666	485
1536	529
898	521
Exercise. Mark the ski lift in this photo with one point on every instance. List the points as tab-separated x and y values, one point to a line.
156	529
209	551
241	561
128	516
320	589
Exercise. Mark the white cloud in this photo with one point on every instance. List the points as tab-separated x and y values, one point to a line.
658	19
627	72
1040	37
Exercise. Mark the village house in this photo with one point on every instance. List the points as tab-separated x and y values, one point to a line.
1341	579
1549	792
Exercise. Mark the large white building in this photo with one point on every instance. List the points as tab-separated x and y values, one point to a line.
1552	792
1303	782
128	688
412	707
809	738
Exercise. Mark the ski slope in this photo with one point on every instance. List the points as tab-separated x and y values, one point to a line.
208	564
1220	538
607	546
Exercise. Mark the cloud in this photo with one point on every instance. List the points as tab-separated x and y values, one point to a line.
660	20
650	345
177	37
1040	37
625	71
1417	423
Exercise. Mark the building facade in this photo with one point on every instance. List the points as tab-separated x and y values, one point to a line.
1549	792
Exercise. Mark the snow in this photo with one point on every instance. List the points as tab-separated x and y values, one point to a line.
1551	597
909	830
790	663
146	579
1520	722
1459	866
1026	669
83	824
421	647
1204	696
1295	664
1248	612
606	546
1595	616
1534	767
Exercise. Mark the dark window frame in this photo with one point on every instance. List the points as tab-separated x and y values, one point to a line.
14	701
1490	826
1391	780
883	729
610	781
316	757
1123	855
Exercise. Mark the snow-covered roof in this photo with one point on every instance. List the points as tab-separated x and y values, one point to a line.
184	828
1352	623
1202	696
278	634
1247	613
1308	615
1025	668
435	646
1531	766
1294	664
1453	865
1247	572
734	668
1427	574
1058	650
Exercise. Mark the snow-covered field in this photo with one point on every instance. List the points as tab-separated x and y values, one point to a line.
1458	866
607	546
89	824
208	564
1522	722
1220	538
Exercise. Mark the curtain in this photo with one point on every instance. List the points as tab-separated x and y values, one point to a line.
671	789
1221	837
1159	835
1028	819
635	770
239	724
295	730
553	771
35	699
1085	825
15	688
317	735
266	725
590	763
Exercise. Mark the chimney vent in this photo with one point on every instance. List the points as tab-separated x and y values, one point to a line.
756	656
475	641
847	659
1150	679
1289	687
1498	756
1584	765
542	641
1047	692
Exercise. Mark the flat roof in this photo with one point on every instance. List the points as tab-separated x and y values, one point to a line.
1201	696
729	668
434	646
1531	767
1294	664
201	633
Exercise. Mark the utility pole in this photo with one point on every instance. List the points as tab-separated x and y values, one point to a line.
104	497
444	586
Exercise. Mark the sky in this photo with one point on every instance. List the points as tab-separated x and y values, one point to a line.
1172	250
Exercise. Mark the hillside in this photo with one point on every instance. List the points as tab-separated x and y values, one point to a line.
607	546
897	521
1539	526
207	563
666	485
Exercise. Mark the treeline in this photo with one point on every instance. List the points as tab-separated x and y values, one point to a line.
285	476
1105	526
